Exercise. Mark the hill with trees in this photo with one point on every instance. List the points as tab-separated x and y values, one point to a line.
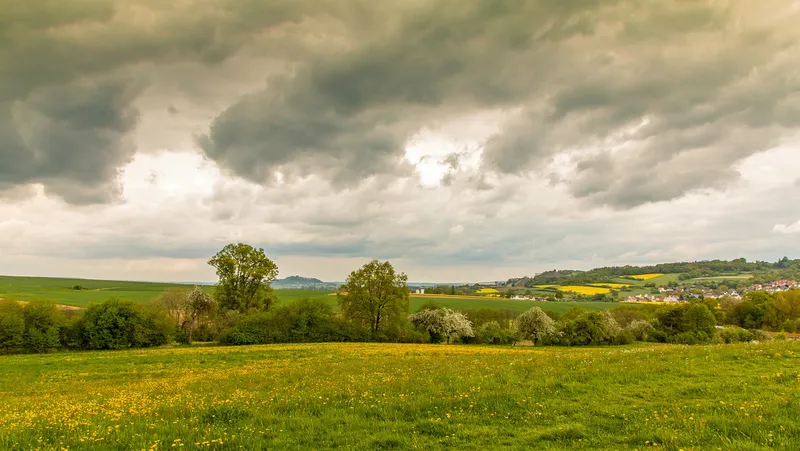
784	268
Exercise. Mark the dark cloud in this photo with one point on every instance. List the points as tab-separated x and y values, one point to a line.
620	103
66	110
349	115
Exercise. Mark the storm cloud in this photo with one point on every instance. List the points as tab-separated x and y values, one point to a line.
492	132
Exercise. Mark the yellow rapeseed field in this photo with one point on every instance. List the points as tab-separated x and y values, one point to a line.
580	289
645	276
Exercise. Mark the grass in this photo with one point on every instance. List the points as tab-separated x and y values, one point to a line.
515	305
60	291
736	277
391	396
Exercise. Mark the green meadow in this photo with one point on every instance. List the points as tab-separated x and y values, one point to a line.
61	291
395	396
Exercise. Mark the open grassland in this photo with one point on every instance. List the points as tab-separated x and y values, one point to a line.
515	305
737	277
391	396
60	291
585	290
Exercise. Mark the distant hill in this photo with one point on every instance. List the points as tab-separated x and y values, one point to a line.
784	268
297	279
295	282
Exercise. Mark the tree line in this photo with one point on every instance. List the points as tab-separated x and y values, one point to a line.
373	306
783	268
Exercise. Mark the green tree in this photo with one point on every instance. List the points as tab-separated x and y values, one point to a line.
12	327
375	295
698	318
116	324
245	274
534	324
199	305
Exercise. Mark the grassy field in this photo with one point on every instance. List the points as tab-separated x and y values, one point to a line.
515	305
389	396
60	291
736	278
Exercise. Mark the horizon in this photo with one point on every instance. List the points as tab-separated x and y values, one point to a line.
410	281
460	141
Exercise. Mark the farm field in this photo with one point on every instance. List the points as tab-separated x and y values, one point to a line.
737	277
583	289
59	290
645	276
515	305
392	396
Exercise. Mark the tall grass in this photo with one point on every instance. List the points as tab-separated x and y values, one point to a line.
389	396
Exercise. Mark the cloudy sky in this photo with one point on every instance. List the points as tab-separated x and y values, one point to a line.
461	140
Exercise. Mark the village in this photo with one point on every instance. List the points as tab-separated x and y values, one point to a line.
685	294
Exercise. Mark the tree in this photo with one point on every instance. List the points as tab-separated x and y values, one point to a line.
456	324
245	274
431	320
534	324
785	307
199	304
175	302
442	322
374	295
116	324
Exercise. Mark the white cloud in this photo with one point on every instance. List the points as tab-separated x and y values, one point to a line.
787	229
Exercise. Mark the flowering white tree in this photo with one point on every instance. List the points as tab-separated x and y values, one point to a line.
534	324
443	322
431	320
456	324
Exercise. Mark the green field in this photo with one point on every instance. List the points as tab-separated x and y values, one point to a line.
515	305
392	396
60	291
735	278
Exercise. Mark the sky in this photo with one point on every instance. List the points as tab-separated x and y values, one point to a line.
462	141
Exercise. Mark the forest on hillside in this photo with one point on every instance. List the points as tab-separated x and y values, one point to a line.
784	268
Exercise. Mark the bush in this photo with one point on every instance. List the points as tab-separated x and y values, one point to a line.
12	327
32	328
304	321
491	333
735	334
690	338
590	328
116	324
623	338
640	329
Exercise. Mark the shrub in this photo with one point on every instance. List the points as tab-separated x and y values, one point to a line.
690	338
304	321
735	334
623	338
116	324
12	327
590	328
492	333
640	329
